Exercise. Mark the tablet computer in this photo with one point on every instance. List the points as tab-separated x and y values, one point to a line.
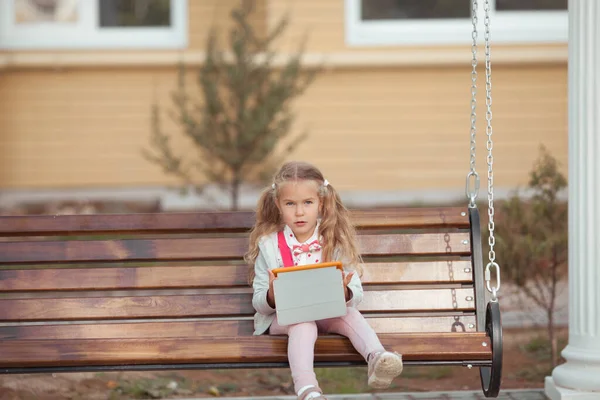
309	293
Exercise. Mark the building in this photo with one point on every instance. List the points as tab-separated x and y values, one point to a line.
391	112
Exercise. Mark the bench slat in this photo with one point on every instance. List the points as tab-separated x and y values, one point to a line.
417	300
417	272
211	248
216	328
202	305
73	352
213	222
85	313
211	276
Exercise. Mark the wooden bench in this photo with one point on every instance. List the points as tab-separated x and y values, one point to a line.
169	291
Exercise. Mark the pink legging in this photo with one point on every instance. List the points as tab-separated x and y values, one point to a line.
302	338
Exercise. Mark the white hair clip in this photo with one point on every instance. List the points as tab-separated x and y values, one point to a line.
273	186
325	183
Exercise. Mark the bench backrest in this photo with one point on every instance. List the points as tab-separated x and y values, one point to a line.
100	271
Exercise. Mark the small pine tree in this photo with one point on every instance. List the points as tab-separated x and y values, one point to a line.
242	129
532	239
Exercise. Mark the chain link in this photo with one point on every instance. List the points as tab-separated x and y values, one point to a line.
472	190
472	181
490	158
457	325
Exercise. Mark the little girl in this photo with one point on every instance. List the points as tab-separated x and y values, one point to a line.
302	211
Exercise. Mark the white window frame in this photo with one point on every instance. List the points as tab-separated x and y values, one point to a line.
86	33
507	27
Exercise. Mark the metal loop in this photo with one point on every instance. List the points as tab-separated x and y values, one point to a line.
488	277
494	298
472	191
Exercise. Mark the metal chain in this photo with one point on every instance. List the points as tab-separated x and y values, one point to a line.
472	191
490	159
456	324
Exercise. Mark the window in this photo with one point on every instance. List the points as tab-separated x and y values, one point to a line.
438	22
93	24
132	13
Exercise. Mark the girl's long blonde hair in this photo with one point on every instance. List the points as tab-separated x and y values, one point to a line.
336	229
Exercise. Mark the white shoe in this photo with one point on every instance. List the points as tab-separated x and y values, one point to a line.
383	368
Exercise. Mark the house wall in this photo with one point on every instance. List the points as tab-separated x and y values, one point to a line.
391	125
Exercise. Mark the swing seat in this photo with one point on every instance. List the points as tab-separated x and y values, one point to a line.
169	291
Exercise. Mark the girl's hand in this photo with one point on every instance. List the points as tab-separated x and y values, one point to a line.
347	278
271	292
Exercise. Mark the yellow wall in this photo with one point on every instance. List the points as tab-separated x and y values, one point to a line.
77	128
206	13
81	126
321	22
409	128
371	128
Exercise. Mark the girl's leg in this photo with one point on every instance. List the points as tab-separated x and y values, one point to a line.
301	351
356	328
383	366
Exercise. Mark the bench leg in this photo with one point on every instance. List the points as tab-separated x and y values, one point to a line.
491	376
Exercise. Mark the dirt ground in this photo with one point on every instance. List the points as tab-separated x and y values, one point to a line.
525	365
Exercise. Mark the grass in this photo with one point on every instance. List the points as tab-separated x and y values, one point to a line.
354	380
332	380
151	388
539	348
431	373
536	373
342	380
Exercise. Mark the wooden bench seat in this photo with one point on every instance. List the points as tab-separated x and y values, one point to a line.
168	291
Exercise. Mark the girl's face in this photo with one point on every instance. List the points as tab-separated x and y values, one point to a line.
299	204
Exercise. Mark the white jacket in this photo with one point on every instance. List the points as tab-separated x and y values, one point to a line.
267	260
